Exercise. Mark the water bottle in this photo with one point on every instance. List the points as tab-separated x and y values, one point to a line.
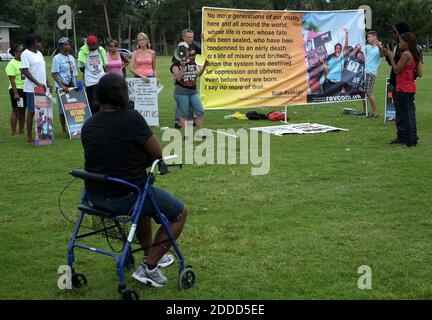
229	116
48	94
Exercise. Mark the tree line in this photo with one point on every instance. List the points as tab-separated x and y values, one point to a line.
163	20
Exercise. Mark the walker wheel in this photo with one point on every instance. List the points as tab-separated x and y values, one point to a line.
78	280
129	294
186	279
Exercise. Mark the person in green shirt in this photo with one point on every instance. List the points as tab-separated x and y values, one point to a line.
16	90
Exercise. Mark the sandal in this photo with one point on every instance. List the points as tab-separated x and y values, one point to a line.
371	115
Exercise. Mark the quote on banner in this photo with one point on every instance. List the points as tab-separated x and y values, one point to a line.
280	58
254	59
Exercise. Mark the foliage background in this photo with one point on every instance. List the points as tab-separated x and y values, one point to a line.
163	20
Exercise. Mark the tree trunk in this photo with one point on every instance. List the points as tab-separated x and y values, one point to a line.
119	34
129	37
107	20
153	36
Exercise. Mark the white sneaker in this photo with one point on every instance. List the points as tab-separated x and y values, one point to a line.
167	260
154	278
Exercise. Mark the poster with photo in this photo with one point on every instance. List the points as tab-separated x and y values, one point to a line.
43	118
76	110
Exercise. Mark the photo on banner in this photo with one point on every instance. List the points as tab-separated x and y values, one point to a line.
259	58
76	110
44	128
334	50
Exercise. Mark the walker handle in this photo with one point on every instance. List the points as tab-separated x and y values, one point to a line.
174	156
161	160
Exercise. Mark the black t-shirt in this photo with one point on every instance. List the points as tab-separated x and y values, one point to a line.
189	78
114	145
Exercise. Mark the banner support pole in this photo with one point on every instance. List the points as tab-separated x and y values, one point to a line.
286	114
366	105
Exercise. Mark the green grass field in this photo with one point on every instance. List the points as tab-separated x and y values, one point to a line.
331	203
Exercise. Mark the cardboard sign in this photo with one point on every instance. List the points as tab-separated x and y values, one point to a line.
317	48
145	98
353	73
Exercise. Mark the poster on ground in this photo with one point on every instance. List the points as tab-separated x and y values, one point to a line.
299	128
390	111
145	98
279	58
44	128
76	110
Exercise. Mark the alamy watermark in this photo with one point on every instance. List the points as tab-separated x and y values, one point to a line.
368	17
64	282
64	22
365	280
221	147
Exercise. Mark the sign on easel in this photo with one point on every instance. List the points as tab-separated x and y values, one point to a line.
390	111
145	98
44	128
76	110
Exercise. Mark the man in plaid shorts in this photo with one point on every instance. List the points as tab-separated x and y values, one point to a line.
373	60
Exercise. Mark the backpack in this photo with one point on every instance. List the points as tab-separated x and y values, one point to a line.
276	116
253	115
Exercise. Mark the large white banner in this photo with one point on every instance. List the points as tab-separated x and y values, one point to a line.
259	58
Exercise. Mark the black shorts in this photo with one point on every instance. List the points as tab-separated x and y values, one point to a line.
14	102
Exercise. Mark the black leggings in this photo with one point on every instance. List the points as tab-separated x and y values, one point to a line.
91	96
407	117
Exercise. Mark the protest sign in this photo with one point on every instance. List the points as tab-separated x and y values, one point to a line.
260	58
145	98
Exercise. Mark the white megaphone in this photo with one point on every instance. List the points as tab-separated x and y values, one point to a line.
182	51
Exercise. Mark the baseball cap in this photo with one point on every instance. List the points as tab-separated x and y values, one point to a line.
92	40
63	41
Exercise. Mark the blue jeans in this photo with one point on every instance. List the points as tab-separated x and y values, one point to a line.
30	101
183	102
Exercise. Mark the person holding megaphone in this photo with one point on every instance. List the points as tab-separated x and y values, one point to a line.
185	72
188	37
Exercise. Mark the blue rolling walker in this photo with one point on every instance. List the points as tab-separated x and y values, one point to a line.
186	278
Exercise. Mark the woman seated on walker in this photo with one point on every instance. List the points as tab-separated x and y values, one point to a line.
118	142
